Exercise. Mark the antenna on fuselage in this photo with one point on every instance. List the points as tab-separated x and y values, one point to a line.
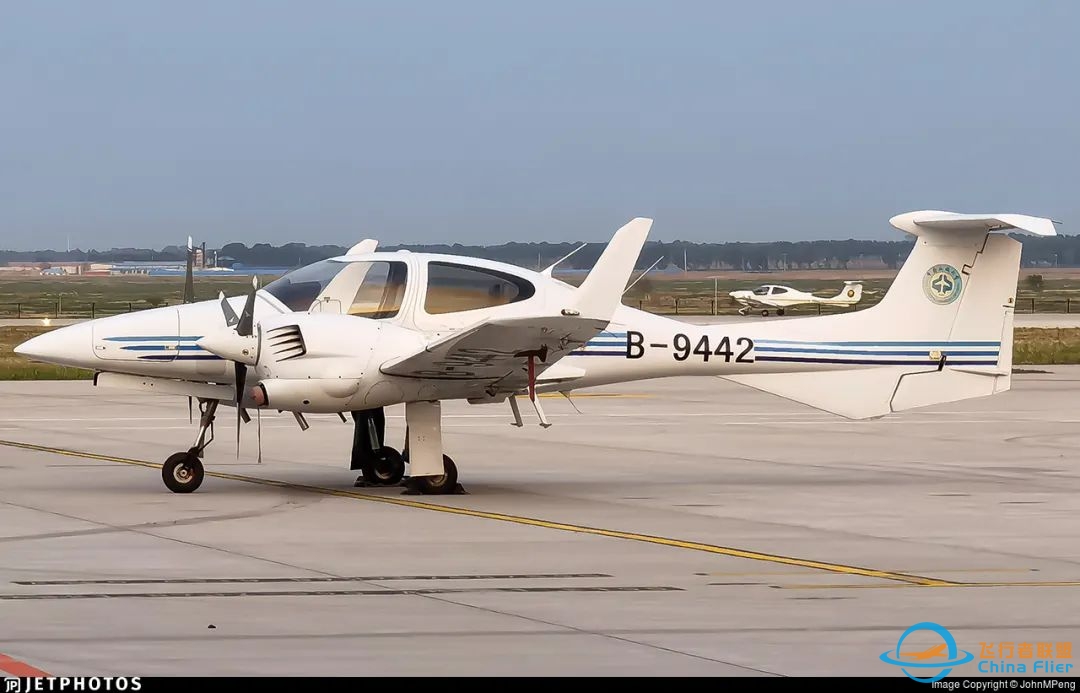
643	274
547	272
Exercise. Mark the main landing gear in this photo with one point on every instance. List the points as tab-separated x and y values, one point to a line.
433	473
382	465
379	465
183	471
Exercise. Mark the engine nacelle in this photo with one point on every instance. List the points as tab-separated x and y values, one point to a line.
324	362
314	395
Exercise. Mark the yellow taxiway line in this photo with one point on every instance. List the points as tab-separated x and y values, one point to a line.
1048	583
835	568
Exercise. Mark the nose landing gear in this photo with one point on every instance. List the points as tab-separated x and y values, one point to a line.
183	471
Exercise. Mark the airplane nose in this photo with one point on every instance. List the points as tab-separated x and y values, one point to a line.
65	346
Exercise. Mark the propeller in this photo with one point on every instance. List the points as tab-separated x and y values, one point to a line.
238	345
244	328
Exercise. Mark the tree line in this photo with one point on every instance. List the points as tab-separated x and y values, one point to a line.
1057	251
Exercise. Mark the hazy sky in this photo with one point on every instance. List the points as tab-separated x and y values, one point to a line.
138	123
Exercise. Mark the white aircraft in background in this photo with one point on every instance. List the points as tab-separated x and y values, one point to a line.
781	297
373	329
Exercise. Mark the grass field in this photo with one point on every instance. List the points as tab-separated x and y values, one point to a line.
15	367
1031	346
84	297
689	293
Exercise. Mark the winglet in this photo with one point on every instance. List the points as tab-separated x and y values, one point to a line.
601	292
368	245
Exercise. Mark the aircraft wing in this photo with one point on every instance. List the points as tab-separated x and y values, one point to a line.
498	350
756	301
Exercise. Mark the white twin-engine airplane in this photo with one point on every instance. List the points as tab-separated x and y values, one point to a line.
781	297
372	329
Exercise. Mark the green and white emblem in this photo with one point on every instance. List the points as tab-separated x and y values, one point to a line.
942	284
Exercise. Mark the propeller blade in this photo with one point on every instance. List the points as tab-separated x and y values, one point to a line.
258	435
230	314
241	378
189	275
244	327
190	416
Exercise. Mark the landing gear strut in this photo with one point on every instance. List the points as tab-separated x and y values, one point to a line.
183	471
430	471
379	465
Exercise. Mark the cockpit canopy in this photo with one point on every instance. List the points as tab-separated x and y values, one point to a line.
769	289
377	288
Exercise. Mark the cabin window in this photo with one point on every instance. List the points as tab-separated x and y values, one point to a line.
301	287
453	288
779	290
381	289
761	291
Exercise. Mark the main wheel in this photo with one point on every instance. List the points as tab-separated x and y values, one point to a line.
438	485
387	469
182	472
779	311
764	313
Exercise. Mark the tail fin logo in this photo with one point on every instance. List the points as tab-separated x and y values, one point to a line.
942	284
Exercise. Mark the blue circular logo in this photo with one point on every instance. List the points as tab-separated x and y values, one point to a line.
942	284
929	658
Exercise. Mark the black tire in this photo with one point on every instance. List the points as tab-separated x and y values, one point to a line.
439	485
182	472
764	313
779	311
387	469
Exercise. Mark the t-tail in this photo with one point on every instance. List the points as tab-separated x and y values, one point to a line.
850	294
942	333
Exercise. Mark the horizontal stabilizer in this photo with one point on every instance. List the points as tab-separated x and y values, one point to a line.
874	392
914	222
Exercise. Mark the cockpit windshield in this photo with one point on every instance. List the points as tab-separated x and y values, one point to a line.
761	291
301	287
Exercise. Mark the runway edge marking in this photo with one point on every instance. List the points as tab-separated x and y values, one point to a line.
520	520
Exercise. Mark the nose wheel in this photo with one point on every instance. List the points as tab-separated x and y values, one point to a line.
183	472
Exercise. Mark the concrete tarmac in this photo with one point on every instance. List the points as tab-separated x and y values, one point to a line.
679	527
